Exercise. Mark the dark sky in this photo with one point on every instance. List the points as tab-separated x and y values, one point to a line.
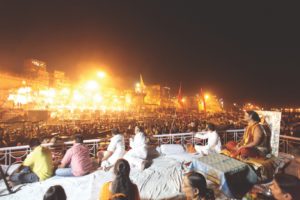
241	52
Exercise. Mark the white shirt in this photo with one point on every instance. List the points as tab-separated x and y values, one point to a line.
138	145
138	141
117	146
213	144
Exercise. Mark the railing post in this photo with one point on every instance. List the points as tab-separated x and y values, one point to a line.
235	136
6	157
97	146
94	149
193	139
9	159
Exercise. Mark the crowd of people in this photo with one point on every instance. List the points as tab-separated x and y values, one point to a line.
39	166
14	134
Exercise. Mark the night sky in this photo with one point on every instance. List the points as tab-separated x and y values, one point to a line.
241	52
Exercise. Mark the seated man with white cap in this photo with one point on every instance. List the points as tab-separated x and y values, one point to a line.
213	141
137	155
115	150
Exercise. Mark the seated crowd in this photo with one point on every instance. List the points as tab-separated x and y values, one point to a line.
38	165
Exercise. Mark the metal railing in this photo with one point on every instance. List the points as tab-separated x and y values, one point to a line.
10	155
189	138
286	143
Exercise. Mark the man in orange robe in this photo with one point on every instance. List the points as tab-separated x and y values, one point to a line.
255	142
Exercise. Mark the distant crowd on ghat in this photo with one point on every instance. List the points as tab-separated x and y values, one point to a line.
38	166
16	134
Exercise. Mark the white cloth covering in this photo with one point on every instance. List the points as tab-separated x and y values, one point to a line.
166	171
117	146
169	149
213	144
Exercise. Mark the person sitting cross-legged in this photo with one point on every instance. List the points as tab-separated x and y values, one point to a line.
115	150
213	141
36	167
255	142
137	155
77	161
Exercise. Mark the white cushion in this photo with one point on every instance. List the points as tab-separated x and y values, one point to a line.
169	149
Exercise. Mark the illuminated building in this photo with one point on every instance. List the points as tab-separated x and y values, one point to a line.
36	71
40	90
165	97
210	103
59	80
153	95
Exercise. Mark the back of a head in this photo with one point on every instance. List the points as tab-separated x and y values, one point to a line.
122	183
115	131
78	138
211	126
198	181
193	126
119	196
34	142
288	184
55	192
138	129
122	168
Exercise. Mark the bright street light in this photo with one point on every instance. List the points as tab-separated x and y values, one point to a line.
101	75
91	85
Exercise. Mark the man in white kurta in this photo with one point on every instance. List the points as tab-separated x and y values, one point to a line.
115	150
213	144
137	155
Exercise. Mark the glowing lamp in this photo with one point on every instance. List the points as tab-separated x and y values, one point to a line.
91	85
101	74
98	98
206	97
